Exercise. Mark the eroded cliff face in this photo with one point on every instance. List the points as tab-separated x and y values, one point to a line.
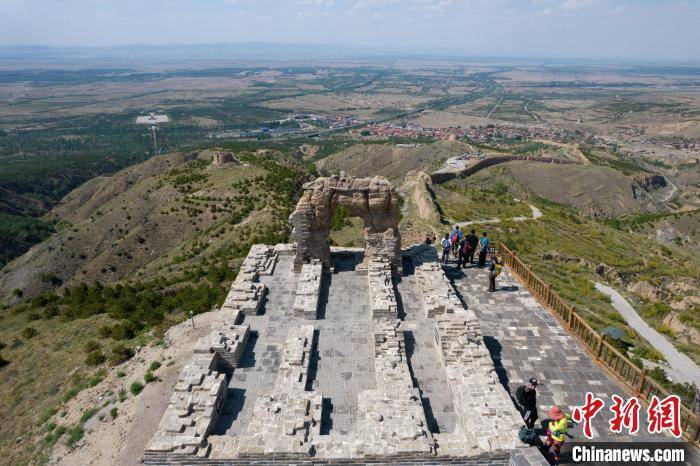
374	200
417	189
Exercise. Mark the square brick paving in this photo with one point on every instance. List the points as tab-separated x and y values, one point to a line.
525	341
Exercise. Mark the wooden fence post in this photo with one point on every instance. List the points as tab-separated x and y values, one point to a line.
640	386
572	311
599	349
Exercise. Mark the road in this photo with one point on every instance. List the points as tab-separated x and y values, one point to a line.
683	369
488	117
669	195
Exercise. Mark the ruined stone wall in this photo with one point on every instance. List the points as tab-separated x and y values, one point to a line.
308	290
372	199
381	290
246	294
438	296
195	404
288	419
391	419
476	390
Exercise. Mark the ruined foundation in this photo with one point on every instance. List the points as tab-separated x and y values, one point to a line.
316	365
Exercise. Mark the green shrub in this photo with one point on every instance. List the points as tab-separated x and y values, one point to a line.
121	374
136	388
74	435
121	353
113	412
149	377
95	358
122	395
88	414
29	332
154	366
90	346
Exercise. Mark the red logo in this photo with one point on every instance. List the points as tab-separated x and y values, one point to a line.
625	415
664	415
587	412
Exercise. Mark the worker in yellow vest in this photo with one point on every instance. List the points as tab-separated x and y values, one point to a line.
556	431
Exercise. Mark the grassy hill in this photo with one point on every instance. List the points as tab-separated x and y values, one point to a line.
392	162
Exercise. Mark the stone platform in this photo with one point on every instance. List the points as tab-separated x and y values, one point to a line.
385	369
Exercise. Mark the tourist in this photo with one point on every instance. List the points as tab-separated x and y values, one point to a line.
483	249
446	246
464	249
696	410
455	238
526	397
556	431
473	242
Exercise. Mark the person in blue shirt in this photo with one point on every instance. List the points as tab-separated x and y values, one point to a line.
483	249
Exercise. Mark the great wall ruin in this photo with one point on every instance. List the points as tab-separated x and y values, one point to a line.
328	373
326	355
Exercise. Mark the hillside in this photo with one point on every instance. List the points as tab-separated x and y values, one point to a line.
391	161
154	218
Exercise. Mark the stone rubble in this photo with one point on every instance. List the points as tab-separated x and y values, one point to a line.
381	290
308	290
288	420
246	294
391	417
195	404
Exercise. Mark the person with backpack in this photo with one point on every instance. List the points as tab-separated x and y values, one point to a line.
455	239
494	271
446	247
556	431
473	241
526	397
483	249
464	250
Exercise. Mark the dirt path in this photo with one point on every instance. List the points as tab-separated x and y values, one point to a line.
536	213
683	367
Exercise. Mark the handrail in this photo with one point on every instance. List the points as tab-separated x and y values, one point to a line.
619	365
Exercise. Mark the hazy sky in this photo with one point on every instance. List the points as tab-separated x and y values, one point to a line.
644	29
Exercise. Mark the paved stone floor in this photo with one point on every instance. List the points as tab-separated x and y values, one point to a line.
345	364
525	341
424	358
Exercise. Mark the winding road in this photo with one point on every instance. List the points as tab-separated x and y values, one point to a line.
683	368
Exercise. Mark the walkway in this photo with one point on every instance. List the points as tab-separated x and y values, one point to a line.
536	213
682	367
526	341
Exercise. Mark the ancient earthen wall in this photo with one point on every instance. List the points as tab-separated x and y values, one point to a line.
442	176
373	199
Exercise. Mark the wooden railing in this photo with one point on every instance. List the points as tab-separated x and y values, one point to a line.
632	377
